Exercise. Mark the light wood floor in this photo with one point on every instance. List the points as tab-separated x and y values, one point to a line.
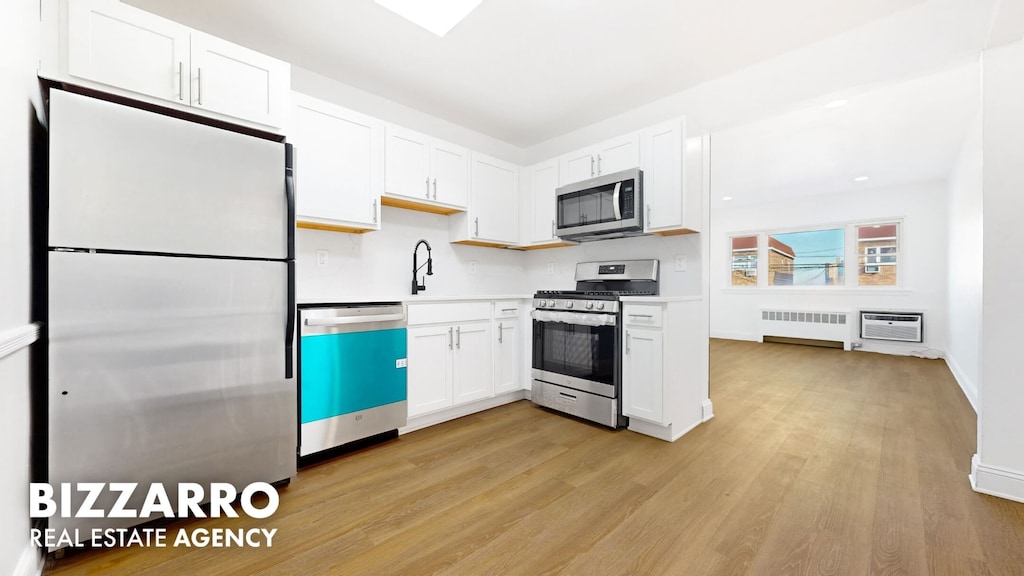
817	462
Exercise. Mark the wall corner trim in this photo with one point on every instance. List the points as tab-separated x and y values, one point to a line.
13	340
995	481
968	387
707	410
31	562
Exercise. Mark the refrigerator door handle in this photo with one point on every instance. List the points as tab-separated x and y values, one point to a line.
289	190
289	329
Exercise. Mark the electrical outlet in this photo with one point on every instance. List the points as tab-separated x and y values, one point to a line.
472	266
551	268
321	258
681	263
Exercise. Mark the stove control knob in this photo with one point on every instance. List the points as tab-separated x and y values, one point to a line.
542	304
590	305
600	305
568	303
551	303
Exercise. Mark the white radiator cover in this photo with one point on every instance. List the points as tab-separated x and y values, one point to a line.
830	325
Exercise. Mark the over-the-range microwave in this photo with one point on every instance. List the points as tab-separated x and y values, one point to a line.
608	206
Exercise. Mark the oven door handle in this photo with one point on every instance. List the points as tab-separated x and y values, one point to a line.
577	318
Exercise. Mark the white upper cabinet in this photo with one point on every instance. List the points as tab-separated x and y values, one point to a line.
339	156
674	157
122	48
424	173
491	218
116	44
538	188
609	156
235	81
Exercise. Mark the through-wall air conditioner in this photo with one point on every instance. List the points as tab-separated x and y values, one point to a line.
896	326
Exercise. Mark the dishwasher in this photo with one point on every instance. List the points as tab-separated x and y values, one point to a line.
352	376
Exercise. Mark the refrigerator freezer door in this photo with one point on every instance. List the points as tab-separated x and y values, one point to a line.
122	178
167	369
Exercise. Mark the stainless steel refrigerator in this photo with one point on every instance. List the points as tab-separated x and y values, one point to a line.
170	291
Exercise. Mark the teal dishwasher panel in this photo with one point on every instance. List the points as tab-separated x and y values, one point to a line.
352	371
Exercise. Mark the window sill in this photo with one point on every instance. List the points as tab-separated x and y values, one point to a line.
845	291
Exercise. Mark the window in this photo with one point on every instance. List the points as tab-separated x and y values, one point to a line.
813	258
744	261
878	254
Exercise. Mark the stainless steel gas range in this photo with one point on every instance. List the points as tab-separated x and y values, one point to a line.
577	339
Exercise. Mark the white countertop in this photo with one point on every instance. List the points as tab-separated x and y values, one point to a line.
418	299
659	299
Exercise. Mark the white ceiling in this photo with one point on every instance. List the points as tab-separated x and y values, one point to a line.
900	133
525	71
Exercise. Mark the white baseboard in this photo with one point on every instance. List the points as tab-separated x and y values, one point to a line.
735	336
425	420
996	481
668	433
968	387
30	563
707	410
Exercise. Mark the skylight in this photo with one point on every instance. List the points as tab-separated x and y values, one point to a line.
438	16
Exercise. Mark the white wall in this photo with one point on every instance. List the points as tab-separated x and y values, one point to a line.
964	262
563	262
18	57
999	464
735	312
378	265
324	88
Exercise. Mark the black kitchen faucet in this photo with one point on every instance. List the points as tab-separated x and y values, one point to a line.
416	287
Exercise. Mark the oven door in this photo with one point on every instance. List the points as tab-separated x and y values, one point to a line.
577	350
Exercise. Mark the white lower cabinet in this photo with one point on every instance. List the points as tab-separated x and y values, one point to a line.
506	355
430	368
642	374
473	378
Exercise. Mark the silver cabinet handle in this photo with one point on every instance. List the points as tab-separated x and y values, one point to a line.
476	223
458	337
615	200
499	332
598	164
199	84
510	309
449	338
627	341
435	188
181	81
591	166
427	182
553	229
374	210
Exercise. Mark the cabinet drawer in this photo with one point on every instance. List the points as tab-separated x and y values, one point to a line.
641	315
448	313
506	309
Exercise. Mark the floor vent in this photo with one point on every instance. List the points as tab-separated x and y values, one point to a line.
807	324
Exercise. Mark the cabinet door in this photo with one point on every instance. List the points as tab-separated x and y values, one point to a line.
430	369
338	162
543	182
619	154
642	382
663	176
450	179
506	355
473	362
406	163
122	46
576	166
493	207
233	80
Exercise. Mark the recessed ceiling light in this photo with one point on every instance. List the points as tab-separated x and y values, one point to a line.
836	103
726	198
438	16
860	178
